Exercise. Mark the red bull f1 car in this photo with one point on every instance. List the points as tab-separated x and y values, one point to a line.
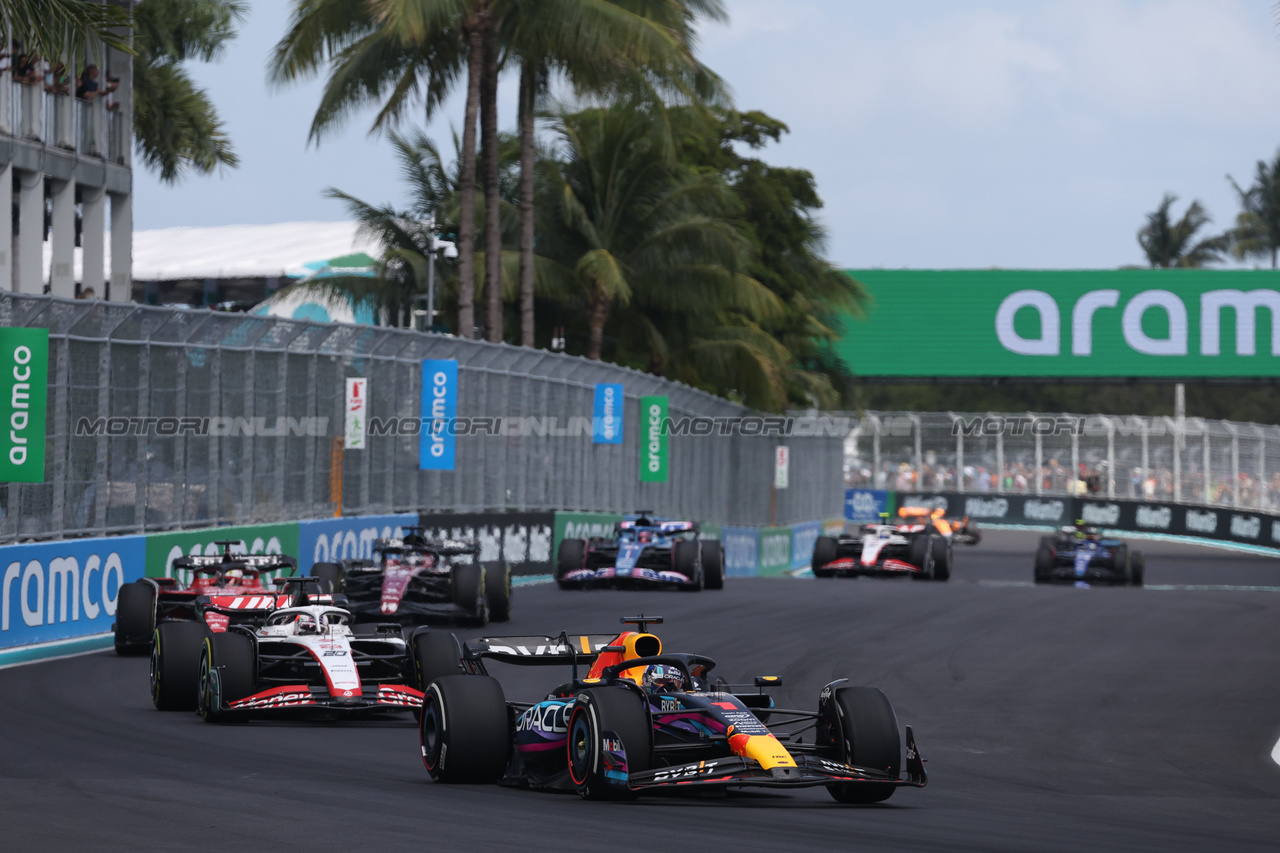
306	655
214	590
644	552
1082	554
644	720
912	547
414	580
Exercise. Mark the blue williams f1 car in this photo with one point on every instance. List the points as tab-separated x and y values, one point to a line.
643	720
1082	554
644	552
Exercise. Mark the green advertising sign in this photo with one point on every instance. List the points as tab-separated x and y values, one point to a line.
653	440
581	525
1066	323
775	551
164	548
24	386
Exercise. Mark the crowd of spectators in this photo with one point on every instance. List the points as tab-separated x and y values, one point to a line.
1056	478
28	68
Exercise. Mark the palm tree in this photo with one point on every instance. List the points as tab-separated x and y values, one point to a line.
1170	244
176	125
634	226
597	46
1257	231
393	52
64	28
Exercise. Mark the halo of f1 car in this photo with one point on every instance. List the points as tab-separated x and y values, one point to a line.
1082	554
416	580
644	720
644	552
919	545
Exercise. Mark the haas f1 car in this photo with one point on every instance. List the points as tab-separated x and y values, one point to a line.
415	580
643	720
223	589
644	552
914	547
306	655
1082	554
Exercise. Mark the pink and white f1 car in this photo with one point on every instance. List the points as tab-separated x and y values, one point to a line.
305	655
913	548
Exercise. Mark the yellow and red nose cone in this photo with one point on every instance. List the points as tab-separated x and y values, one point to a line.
766	749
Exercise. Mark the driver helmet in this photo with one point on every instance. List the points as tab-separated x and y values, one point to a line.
663	678
644	536
306	624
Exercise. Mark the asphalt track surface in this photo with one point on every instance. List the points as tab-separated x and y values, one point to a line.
1052	718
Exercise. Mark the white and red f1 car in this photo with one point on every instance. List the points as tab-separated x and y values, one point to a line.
913	548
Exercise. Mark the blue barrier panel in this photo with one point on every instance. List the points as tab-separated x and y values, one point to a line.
803	536
331	540
741	551
865	504
58	590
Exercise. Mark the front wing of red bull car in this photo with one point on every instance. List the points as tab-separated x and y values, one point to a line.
644	552
418	581
617	733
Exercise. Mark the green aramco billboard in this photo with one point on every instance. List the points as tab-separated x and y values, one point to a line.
1066	323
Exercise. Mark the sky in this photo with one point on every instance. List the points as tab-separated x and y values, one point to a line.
942	135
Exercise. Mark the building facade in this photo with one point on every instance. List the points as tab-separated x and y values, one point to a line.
67	161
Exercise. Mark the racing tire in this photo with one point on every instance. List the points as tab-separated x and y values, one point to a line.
135	619
330	574
865	731
570	557
468	593
465	734
228	672
1139	568
713	563
919	554
943	552
686	558
497	589
1120	562
1044	562
825	550
619	710
435	655
175	665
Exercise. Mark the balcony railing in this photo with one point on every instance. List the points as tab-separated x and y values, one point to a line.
63	121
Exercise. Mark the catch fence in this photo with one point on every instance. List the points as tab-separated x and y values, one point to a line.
1185	460
110	363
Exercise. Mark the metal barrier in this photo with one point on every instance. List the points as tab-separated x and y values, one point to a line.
109	363
1188	460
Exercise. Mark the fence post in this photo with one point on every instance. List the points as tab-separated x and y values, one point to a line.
1264	493
1039	472
918	429
102	486
1146	463
1074	476
999	459
1178	425
1235	464
180	478
875	451
1208	486
215	442
309	448
142	487
61	441
1111	457
282	410
959	453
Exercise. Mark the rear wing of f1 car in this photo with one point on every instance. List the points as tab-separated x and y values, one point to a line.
564	650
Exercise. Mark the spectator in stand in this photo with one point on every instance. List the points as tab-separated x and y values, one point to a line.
57	80
27	68
90	88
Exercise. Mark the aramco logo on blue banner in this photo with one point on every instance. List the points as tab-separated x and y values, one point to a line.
606	421
437	442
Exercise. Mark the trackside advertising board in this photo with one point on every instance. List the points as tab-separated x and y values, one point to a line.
437	441
1066	323
57	590
606	416
653	439
775	551
24	386
330	540
582	525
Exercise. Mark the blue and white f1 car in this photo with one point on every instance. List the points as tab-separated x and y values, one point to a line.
1082	554
644	552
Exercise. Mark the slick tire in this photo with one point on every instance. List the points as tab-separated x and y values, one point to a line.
570	557
919	554
228	672
686	558
607	709
175	665
435	655
497	589
1044	562
135	619
465	734
865	730
825	550
713	563
330	574
942	556
468	593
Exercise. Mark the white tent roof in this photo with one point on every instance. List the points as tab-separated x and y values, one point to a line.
235	251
